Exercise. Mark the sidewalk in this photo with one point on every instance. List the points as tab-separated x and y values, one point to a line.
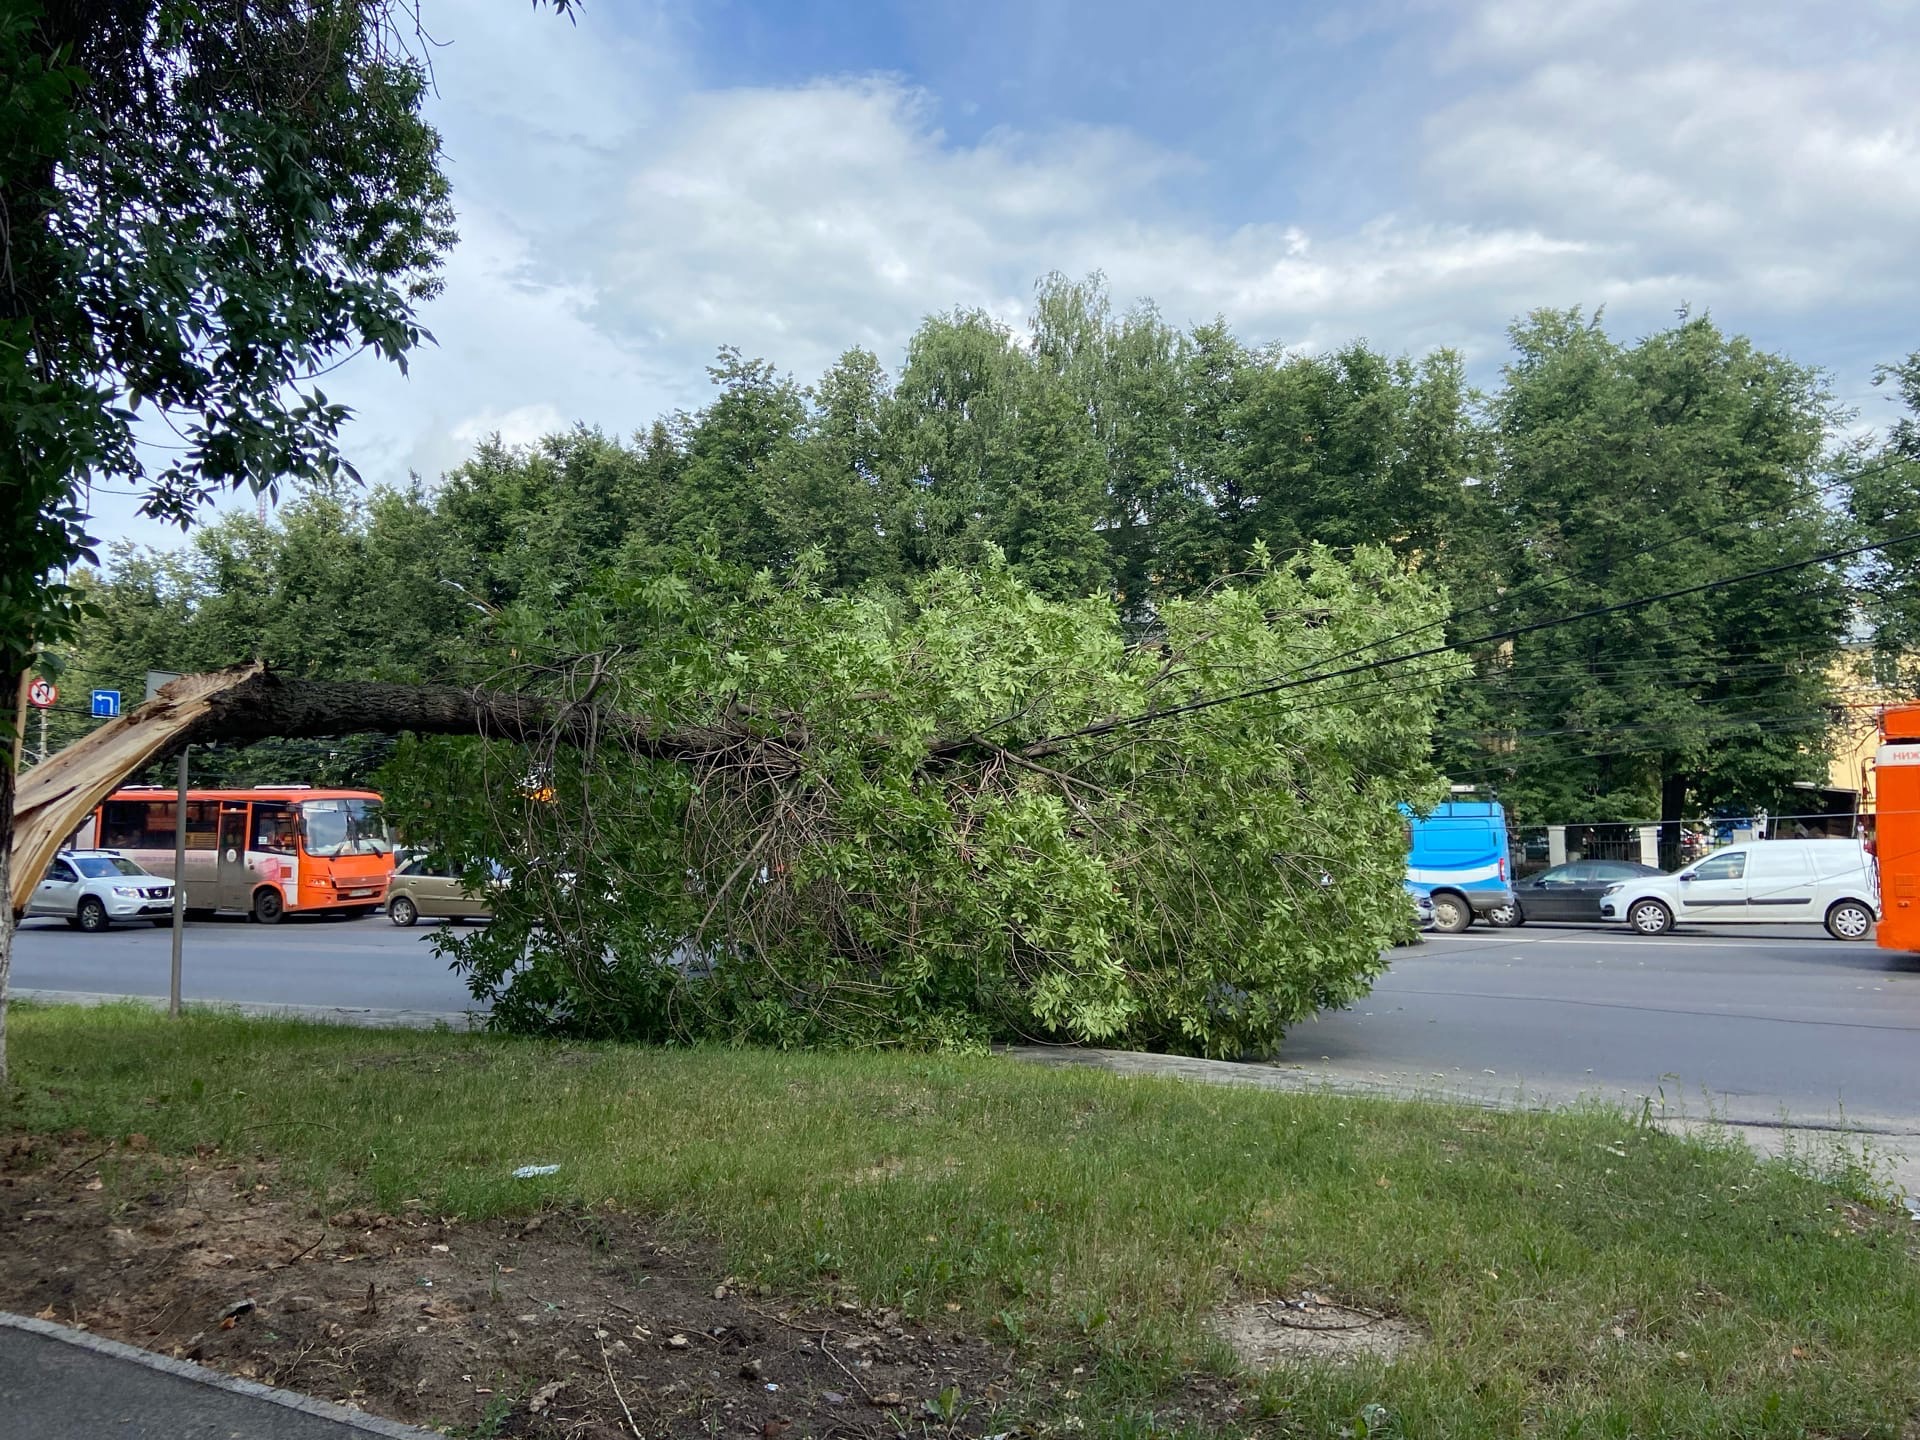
61	1384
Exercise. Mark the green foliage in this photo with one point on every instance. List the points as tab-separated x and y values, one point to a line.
1884	502
1110	455
1630	471
836	874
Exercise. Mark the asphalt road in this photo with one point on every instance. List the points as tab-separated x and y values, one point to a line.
58	1384
304	961
1754	1025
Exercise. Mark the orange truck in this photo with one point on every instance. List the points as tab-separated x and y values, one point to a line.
1896	826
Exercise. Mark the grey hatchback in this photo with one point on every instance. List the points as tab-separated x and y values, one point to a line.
1568	892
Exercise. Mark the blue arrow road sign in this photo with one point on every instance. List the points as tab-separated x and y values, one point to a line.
106	704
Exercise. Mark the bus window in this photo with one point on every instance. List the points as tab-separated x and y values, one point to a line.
125	826
148	825
273	829
344	827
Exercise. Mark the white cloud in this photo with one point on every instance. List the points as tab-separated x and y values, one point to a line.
620	223
522	425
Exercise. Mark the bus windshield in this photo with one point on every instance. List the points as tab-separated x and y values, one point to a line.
345	827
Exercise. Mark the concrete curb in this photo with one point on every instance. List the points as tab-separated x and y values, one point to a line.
213	1379
321	1014
1895	1141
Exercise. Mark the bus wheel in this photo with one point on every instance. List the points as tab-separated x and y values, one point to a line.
1849	920
1451	913
269	905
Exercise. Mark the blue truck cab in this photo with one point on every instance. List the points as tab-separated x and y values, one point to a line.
1457	854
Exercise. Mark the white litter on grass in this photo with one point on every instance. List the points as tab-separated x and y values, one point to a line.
529	1172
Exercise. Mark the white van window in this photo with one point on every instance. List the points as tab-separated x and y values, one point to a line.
1730	866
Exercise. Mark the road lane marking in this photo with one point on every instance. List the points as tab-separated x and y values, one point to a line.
1643	942
1646	1009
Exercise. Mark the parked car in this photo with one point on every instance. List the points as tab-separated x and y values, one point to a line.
1760	882
1422	908
1457	854
1568	892
90	889
422	885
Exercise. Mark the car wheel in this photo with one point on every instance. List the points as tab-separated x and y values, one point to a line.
402	911
1451	913
1506	917
91	916
269	905
1649	917
1849	920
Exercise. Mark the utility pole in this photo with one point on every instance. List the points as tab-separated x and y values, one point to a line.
179	886
43	739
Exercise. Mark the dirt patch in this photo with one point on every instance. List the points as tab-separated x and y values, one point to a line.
570	1324
1311	1329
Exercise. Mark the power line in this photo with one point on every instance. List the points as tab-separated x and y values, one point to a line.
1548	584
1277	686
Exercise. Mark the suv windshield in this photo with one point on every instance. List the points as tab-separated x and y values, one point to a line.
345	827
99	867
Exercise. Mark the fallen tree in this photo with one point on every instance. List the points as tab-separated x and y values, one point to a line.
249	702
739	809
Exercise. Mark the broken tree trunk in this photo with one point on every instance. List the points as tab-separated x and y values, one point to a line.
249	702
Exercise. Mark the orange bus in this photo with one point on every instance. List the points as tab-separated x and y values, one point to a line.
268	851
1896	826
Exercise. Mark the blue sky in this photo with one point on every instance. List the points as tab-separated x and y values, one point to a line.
668	176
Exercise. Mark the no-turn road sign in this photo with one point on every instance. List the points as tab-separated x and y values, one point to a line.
42	693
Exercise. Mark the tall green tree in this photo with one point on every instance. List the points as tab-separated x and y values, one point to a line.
1625	471
1884	503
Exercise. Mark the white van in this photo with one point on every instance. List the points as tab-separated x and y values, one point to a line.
1763	882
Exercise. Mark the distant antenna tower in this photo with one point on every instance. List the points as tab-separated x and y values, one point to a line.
260	506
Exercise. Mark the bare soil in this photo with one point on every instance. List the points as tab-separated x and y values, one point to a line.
1310	1328
568	1324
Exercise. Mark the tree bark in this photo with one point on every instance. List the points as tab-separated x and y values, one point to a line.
6	911
249	702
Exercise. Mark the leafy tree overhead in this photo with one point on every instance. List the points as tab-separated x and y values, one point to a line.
207	203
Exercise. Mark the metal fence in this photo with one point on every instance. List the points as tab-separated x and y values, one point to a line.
1532	848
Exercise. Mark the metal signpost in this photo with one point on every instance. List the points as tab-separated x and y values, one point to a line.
42	694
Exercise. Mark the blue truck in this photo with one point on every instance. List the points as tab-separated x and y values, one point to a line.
1457	855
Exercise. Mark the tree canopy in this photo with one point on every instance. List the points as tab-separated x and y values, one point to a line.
1113	455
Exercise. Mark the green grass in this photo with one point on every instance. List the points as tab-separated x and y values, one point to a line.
1083	1211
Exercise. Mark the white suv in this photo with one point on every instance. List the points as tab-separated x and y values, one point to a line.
90	889
1763	882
